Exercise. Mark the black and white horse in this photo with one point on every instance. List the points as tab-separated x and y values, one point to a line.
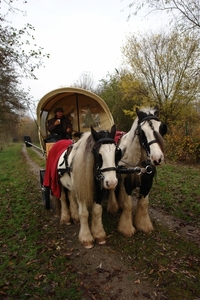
87	172
142	150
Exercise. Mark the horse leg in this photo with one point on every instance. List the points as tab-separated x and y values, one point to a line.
112	206
85	236
73	207
57	206
65	217
125	225
98	231
142	219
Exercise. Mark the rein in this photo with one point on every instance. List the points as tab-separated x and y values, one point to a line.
135	170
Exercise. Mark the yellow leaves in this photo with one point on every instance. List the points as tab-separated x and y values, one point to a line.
182	148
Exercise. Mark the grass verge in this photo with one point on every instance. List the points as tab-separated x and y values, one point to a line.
176	190
31	265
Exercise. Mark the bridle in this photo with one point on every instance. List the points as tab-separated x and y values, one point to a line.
147	167
141	135
98	171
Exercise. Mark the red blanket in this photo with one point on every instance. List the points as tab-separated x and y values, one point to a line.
118	136
51	175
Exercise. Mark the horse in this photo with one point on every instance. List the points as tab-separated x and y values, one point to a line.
142	151
87	170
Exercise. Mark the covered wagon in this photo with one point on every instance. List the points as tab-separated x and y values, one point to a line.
82	107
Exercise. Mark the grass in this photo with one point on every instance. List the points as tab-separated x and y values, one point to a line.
36	158
32	266
177	191
167	261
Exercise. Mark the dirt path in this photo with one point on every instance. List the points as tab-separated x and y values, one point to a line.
106	274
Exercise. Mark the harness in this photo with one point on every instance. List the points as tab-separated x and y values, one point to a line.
67	168
147	166
98	171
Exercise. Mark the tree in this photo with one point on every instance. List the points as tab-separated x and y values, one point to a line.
168	65
18	59
122	92
85	81
186	13
28	127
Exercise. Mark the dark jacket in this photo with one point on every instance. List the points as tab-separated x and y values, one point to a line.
60	129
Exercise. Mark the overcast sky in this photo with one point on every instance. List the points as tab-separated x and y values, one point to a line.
80	36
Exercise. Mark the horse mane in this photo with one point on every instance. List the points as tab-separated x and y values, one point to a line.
82	167
89	144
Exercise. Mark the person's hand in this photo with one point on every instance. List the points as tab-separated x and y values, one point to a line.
57	122
68	129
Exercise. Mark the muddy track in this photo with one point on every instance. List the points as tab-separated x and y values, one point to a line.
105	274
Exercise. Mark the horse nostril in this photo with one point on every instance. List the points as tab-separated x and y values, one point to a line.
156	163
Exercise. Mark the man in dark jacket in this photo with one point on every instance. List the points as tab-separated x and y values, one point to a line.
60	125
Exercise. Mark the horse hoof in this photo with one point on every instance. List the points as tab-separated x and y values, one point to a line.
100	241
65	223
127	235
113	209
77	222
88	245
146	229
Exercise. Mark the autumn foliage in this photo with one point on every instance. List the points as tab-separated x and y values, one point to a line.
183	148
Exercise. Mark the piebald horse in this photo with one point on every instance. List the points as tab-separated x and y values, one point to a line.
142	150
87	173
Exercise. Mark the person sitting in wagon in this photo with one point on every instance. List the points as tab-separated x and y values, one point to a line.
60	126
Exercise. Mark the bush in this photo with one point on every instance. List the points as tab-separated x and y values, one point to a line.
184	149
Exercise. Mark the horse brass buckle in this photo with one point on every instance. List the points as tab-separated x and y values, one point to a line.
149	169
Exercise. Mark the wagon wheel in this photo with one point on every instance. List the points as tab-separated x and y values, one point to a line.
46	197
42	174
45	190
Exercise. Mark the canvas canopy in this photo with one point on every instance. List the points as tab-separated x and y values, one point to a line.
84	108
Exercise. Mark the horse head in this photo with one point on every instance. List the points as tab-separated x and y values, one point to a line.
106	157
150	131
